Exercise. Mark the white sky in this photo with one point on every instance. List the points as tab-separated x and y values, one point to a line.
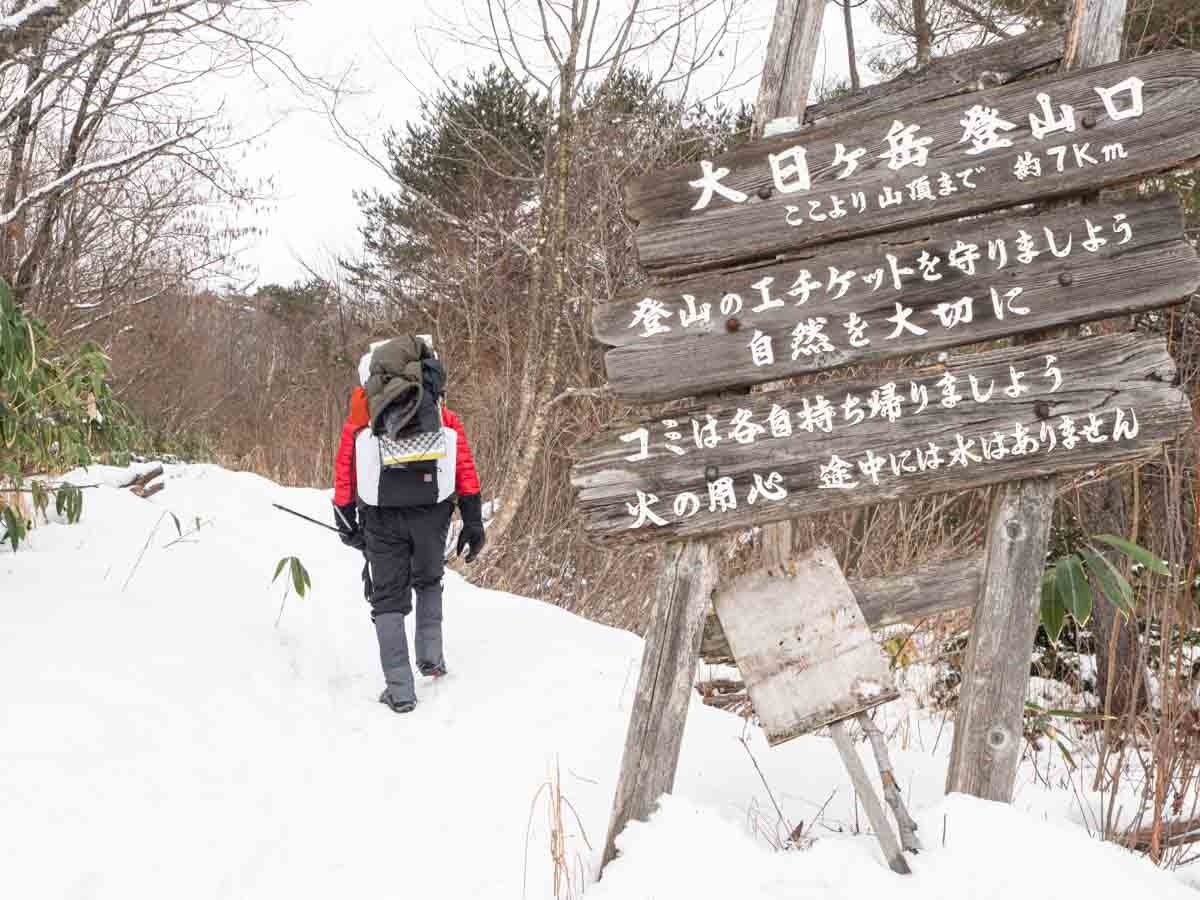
396	49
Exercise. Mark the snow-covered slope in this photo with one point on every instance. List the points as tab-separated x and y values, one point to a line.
160	736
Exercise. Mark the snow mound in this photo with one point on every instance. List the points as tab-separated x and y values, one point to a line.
989	852
162	736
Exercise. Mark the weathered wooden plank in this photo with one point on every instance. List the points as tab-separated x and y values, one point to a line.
687	224
867	796
791	52
1144	262
802	646
926	591
963	73
664	688
784	454
987	726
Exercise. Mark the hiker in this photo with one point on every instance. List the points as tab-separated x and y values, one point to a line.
402	463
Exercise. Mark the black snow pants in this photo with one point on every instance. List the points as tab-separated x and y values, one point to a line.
405	554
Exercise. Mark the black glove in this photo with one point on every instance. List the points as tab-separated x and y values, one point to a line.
368	587
472	537
346	519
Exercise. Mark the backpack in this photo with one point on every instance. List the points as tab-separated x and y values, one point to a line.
408	453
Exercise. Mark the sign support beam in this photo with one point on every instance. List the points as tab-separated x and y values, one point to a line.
783	93
664	690
684	593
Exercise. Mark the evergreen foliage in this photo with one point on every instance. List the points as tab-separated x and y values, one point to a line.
57	412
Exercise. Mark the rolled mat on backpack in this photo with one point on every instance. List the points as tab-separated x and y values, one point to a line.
403	387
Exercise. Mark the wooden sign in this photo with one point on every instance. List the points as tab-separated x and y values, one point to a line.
803	647
978	419
894	295
1000	147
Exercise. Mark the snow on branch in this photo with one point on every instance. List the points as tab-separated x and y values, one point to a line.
154	295
19	30
83	171
133	24
19	18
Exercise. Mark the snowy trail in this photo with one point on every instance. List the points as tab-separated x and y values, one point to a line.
166	739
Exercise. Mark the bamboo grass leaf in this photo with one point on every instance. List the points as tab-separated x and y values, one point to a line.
1073	589
1136	553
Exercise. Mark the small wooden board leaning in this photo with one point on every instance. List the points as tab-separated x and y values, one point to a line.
809	661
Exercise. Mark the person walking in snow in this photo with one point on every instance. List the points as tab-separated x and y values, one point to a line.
402	465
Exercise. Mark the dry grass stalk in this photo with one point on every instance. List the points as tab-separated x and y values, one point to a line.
568	869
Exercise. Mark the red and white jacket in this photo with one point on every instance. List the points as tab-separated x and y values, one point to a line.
345	474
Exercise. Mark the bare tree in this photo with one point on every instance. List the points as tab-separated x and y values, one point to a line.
578	44
929	28
114	168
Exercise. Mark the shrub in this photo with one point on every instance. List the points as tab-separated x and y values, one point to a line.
56	412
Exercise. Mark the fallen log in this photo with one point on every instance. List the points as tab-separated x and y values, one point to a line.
140	480
145	491
1171	834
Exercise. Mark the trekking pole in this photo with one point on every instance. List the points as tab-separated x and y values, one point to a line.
304	517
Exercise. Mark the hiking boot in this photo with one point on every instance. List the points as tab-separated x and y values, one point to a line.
396	704
431	670
393	654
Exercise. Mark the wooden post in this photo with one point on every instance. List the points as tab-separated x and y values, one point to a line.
866	795
1095	35
791	54
988	728
786	81
665	685
991	704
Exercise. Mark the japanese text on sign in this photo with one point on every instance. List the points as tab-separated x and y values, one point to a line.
984	129
813	335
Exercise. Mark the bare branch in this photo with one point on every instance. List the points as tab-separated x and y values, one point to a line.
65	181
21	30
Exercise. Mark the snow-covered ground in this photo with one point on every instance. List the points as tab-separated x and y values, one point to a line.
160	736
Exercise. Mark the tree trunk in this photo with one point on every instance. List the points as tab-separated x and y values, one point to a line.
16	167
81	129
36	26
1117	641
852	57
922	33
536	408
527	390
